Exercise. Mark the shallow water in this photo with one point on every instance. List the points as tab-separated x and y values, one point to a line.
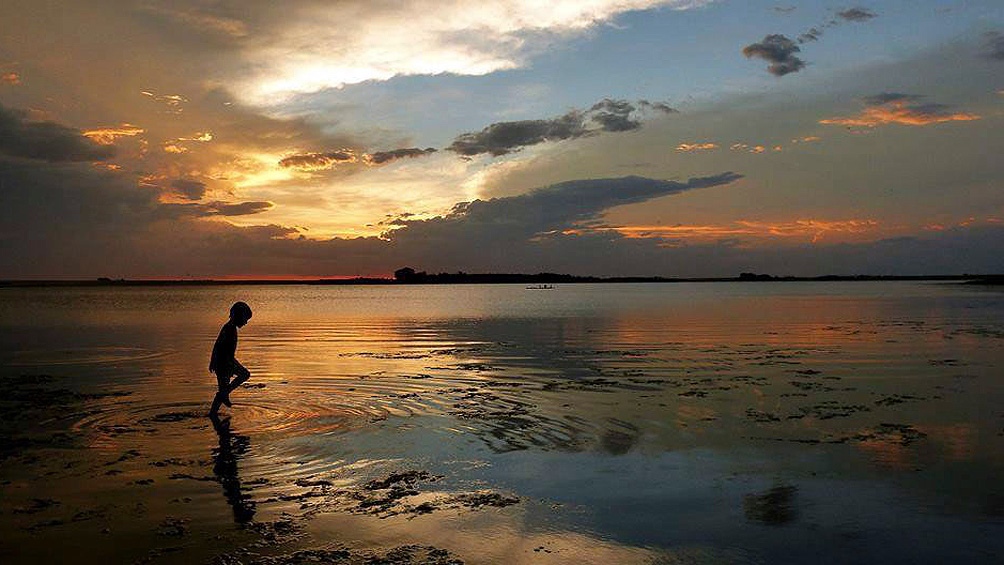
754	423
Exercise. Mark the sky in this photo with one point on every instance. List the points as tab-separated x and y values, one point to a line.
677	138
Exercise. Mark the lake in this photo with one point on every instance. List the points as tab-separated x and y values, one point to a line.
773	422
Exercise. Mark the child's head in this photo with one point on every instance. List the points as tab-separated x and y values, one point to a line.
240	313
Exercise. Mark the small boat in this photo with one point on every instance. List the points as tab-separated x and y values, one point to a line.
541	287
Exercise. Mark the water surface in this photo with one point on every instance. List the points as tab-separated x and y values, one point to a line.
746	422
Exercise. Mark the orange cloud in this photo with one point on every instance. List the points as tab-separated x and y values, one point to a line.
199	136
808	229
806	139
173	102
11	78
177	145
904	109
108	135
748	148
691	147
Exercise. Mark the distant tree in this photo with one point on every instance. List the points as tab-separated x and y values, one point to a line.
404	274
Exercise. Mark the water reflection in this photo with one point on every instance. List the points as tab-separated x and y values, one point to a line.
628	399
775	507
225	457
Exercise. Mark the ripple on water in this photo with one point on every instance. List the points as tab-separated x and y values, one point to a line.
82	356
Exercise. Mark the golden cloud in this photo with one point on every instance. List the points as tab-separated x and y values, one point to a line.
108	135
692	147
172	102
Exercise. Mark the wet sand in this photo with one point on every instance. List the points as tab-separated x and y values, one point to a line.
833	426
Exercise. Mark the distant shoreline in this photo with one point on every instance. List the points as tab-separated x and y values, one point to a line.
492	278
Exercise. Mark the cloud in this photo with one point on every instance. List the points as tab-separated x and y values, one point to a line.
543	210
748	148
173	103
110	227
313	49
381	157
47	141
899	108
240	208
200	19
505	137
890	98
10	78
607	115
331	159
614	115
180	211
692	147
749	232
993	45
188	188
108	135
658	106
319	161
857	14
812	35
779	51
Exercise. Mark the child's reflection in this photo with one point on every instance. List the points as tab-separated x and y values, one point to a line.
232	447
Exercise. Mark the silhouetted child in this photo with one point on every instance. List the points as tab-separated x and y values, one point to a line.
223	362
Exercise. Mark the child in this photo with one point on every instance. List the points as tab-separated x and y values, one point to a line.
223	362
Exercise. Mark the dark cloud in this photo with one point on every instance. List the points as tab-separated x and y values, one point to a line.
890	98
547	209
658	106
994	45
812	35
190	189
505	137
607	115
857	14
614	115
328	160
240	208
47	141
317	161
381	157
779	51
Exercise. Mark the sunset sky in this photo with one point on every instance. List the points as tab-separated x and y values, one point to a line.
245	138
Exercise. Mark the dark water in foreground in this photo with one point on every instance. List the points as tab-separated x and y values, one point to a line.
698	423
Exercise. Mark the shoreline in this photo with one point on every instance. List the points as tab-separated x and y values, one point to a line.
465	278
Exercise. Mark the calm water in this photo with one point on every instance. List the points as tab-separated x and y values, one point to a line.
753	423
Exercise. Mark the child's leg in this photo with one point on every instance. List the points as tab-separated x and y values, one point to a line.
242	376
217	401
223	383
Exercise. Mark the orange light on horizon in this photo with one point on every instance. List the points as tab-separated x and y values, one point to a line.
812	229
